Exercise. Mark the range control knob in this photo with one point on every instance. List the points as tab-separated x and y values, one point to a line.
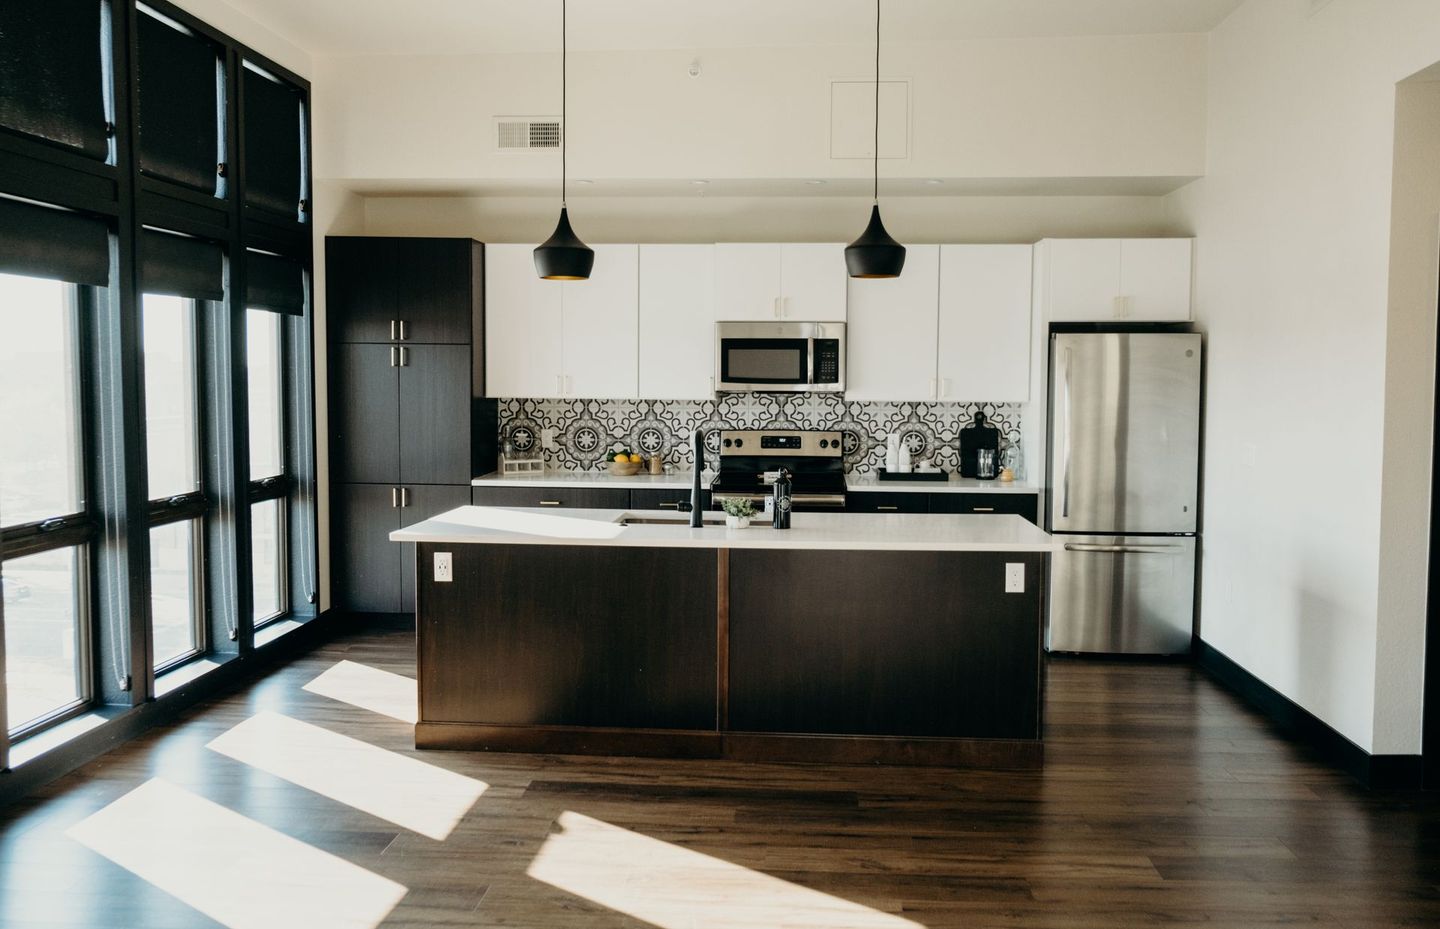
824	443
728	443
739	443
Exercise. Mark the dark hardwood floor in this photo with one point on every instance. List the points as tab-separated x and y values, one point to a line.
1163	802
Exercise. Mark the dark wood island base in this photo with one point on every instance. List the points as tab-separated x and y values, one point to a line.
775	655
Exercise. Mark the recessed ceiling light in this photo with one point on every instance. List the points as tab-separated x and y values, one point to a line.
700	182
934	180
583	181
815	182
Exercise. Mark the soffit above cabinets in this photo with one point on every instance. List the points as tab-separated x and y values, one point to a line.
470	27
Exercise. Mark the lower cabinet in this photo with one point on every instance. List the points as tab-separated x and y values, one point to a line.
575	498
371	574
1025	505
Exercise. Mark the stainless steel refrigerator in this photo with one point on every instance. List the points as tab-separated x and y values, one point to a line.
1122	491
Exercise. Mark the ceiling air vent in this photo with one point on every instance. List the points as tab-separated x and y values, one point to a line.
524	133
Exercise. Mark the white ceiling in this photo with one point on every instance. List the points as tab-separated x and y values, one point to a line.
366	27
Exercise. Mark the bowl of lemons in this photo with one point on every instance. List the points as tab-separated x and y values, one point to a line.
624	462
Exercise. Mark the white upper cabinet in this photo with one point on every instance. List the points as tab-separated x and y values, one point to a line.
769	281
522	326
747	281
813	282
561	338
677	322
1155	279
1109	280
600	320
890	336
983	346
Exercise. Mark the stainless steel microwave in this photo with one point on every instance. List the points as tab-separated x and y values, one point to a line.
780	357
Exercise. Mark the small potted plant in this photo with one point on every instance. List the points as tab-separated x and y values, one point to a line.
738	511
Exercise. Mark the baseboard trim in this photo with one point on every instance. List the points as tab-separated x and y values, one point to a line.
1381	772
126	723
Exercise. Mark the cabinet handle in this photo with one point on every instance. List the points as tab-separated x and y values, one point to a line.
887	508
785	307
559	386
402	330
982	509
934	388
944	386
670	506
392	330
1120	308
549	502
777	307
404	357
569	385
393	356
394	497
712	384
404	496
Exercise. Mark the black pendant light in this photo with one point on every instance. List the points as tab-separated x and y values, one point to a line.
563	257
875	253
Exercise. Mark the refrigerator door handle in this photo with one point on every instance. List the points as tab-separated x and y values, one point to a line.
1124	549
1065	442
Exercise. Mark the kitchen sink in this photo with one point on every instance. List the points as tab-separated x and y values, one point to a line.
682	519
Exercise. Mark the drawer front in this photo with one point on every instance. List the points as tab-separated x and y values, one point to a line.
575	498
1017	504
873	501
668	498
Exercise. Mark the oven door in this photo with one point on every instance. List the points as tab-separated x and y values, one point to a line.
750	363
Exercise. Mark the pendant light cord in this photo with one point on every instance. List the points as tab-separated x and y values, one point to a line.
877	102
565	90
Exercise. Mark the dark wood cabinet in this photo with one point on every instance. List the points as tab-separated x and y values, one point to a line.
575	498
402	289
408	415
1018	504
422	501
366	566
924	644
434	421
665	498
364	414
882	502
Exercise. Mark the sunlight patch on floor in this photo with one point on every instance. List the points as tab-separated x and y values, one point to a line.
238	872
372	689
398	789
676	888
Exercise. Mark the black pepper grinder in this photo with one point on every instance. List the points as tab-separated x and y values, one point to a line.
780	508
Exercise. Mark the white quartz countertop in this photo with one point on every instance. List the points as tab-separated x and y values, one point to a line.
855	483
818	531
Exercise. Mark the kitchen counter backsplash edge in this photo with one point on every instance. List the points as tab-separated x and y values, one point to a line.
586	430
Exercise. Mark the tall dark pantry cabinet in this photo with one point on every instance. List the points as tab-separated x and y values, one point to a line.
409	422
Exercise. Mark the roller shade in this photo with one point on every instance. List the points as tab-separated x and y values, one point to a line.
184	267
178	98
271	137
52	60
274	283
40	241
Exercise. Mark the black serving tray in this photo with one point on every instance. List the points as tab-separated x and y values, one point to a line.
914	476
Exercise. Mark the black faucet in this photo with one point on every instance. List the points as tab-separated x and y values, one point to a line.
697	512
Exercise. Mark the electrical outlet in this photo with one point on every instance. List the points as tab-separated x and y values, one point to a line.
1014	577
547	439
444	568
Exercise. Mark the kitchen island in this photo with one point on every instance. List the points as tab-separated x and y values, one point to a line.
912	639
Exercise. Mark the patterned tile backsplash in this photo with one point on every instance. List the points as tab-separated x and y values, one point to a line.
586	429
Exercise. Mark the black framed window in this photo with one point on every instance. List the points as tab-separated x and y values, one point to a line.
179	103
54	73
273	138
44	507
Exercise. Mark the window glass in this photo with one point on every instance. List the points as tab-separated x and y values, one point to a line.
267	559
44	606
263	372
170	421
39	401
173	594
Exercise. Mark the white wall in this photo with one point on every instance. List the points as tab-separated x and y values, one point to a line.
1294	263
245	29
1110	106
813	219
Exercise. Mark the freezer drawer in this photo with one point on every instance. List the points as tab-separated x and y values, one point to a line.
1122	595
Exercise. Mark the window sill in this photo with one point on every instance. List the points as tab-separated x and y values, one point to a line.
32	747
187	673
277	629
